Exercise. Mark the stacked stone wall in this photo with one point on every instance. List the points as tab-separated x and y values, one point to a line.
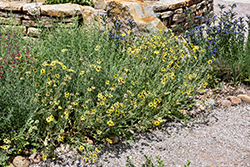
173	15
146	14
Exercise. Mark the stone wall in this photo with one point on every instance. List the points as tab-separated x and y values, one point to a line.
148	16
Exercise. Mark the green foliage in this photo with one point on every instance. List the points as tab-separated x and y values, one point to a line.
80	2
148	162
223	39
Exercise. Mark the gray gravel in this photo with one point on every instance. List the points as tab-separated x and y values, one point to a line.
218	138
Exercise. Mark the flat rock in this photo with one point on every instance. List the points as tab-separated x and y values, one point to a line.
32	8
14	6
61	10
234	99
35	158
226	103
244	97
20	161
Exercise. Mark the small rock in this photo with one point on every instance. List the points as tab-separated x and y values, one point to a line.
225	103
193	112
234	99
184	112
35	158
245	98
240	91
20	161
115	139
90	141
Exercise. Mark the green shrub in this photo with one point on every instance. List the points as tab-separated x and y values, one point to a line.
90	83
79	2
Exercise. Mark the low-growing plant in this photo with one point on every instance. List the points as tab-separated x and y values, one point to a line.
81	86
80	2
223	39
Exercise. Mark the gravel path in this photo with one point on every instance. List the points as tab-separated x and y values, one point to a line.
219	138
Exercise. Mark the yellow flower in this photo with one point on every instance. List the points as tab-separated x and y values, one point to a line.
163	69
7	141
97	47
89	89
96	150
64	67
37	84
102	103
150	104
59	107
110	123
156	123
156	52
99	132
94	156
82	72
209	62
132	82
129	31
136	82
132	100
50	118
5	147
107	82
57	75
60	139
116	75
44	64
82	118
98	62
117	112
19	151
81	148
114	85
108	140
110	96
66	94
124	34
42	71
52	63
160	119
44	157
98	68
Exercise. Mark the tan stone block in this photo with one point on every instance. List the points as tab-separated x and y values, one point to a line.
12	6
191	2
177	18
180	4
29	23
61	10
32	8
167	14
34	32
179	11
